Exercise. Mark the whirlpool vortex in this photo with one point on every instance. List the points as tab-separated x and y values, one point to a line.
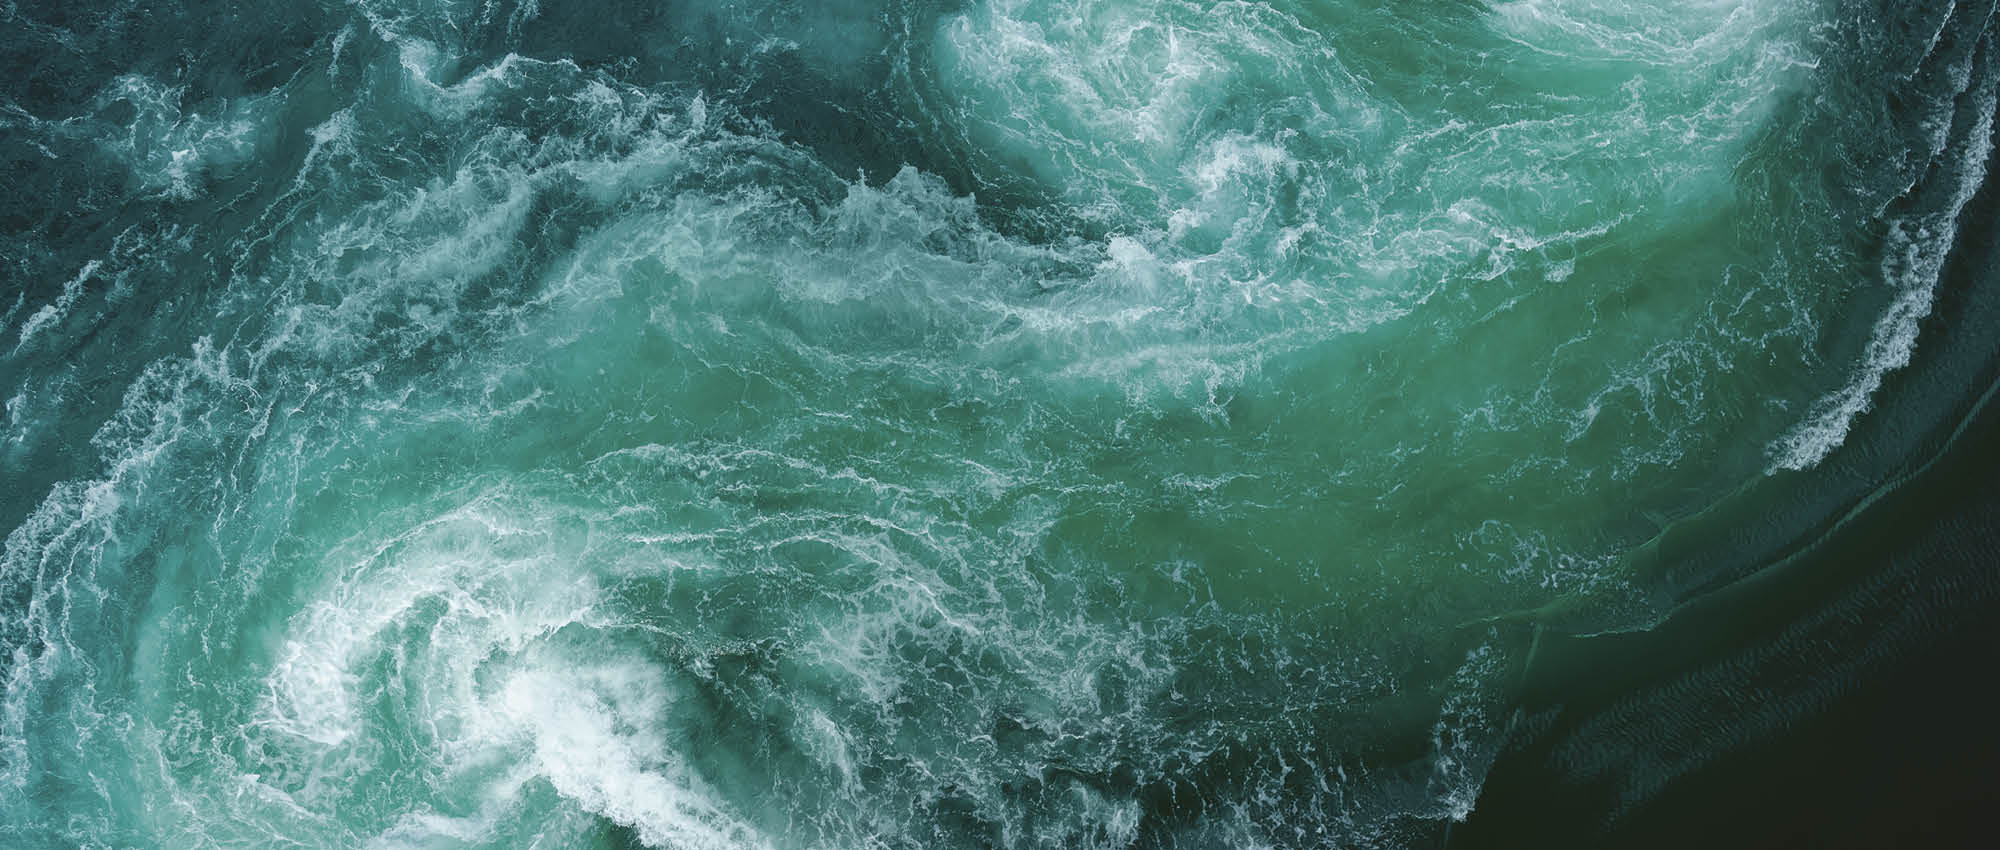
907	423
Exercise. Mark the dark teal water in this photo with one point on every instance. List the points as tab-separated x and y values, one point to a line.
1025	423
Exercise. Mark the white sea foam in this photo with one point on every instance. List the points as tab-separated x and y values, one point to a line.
7	319
597	728
518	638
1913	259
171	146
56	559
474	558
596	735
1463	739
53	312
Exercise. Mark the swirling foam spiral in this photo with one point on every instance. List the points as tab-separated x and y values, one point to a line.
1027	423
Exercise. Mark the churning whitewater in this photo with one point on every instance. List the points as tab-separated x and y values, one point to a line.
901	423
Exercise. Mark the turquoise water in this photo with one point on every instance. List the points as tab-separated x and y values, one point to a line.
1021	423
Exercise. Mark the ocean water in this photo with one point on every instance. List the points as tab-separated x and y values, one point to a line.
934	423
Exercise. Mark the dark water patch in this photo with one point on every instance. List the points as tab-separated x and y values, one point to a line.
1821	696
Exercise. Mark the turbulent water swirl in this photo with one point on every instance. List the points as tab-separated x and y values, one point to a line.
1017	423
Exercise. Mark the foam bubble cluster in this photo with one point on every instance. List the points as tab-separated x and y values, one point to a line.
1025	423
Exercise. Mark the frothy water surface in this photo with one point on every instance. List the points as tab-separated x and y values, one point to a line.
1024	423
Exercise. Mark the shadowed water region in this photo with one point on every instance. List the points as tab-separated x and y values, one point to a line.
982	423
